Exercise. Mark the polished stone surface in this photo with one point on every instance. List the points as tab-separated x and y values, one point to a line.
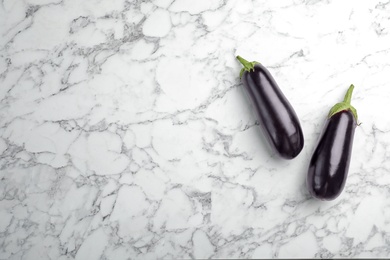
125	132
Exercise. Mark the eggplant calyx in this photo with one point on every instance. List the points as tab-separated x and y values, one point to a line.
345	105
248	66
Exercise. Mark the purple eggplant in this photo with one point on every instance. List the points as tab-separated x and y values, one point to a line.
329	164
276	116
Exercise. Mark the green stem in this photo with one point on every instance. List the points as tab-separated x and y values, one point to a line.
248	66
348	95
345	105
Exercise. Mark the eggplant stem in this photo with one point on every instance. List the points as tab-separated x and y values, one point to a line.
248	66
345	105
348	95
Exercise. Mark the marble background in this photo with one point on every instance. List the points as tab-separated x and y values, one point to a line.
125	132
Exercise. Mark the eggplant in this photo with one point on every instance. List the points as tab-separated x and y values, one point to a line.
276	116
329	164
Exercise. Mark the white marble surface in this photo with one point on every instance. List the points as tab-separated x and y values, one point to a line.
125	132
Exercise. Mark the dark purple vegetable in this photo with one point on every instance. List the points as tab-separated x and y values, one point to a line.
329	164
277	117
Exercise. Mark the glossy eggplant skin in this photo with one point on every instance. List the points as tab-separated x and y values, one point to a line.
329	164
277	117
